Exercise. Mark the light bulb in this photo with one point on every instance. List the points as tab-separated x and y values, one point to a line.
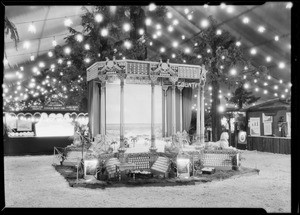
204	23
32	28
98	17
246	20
68	22
104	32
126	27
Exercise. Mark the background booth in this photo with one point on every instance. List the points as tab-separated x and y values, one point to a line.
39	130
269	127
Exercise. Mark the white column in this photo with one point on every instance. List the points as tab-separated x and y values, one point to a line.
202	125
198	114
165	88
173	109
180	107
102	110
122	114
152	148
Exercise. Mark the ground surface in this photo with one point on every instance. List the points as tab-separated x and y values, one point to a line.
31	181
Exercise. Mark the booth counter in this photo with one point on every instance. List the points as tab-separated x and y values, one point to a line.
38	133
281	145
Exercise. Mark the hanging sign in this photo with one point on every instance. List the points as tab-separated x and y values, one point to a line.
254	125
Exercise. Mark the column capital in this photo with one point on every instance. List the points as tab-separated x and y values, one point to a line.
165	87
180	88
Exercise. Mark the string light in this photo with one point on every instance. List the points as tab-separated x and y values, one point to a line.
265	84
26	45
282	96
41	64
127	44
289	5
268	59
256	89
265	92
87	47
175	44
67	50
230	9
126	27
219	32
175	22
79	37
281	65
87	60
275	94
233	72
54	43
204	23
141	31
238	43
223	5
162	49
169	15
152	7
190	17
276	38
154	36
173	55
187	50
158	33
246	20
182	37
186	11
208	51
32	57
170	28
269	77
275	87
59	61
151	43
261	29
104	32
246	85
98	17
148	21
199	56
280	81
50	53
68	22
32	28
286	90
253	51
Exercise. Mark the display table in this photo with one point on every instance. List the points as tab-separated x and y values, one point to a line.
34	145
281	145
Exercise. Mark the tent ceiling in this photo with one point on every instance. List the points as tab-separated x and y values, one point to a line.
274	16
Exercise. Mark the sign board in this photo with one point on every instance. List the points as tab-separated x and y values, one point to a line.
183	167
242	137
24	125
254	125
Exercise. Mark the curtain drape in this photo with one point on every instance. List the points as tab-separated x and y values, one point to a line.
94	107
187	95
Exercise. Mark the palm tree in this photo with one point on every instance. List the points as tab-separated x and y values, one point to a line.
242	97
10	29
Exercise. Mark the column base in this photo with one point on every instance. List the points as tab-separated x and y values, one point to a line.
152	149
121	149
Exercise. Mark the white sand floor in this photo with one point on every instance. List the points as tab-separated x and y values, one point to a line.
31	181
